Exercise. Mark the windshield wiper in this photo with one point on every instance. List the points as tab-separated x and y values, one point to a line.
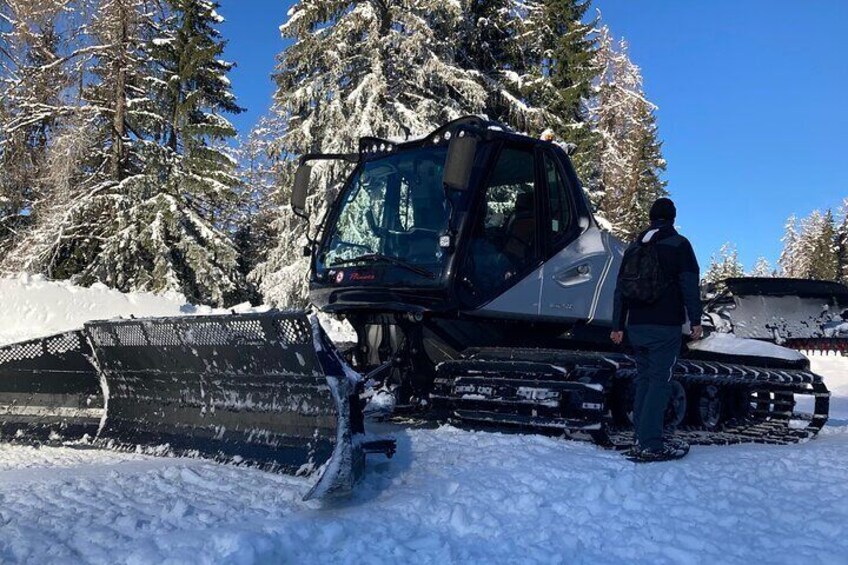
380	258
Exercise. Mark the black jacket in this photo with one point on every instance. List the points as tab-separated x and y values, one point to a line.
683	298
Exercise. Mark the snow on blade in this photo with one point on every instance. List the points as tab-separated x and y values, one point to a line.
729	344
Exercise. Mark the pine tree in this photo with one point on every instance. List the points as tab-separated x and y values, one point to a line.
791	259
39	63
762	268
724	266
150	183
818	243
630	155
842	242
562	67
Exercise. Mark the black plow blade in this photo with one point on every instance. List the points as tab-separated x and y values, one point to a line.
263	390
49	390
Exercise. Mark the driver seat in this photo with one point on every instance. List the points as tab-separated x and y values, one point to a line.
521	229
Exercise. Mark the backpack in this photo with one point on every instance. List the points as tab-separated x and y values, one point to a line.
641	277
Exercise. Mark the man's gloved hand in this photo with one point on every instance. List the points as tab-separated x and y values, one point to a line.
697	332
617	337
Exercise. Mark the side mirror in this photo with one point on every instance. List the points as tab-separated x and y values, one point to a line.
460	161
301	188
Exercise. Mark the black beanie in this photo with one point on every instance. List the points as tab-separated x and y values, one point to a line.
663	209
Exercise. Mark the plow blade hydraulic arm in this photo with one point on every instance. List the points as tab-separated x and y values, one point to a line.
265	390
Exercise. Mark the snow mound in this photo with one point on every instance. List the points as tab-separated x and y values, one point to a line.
33	306
729	344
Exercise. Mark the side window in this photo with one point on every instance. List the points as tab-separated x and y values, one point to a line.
560	205
504	236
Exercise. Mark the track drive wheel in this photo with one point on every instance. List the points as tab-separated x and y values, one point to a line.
623	399
675	413
707	407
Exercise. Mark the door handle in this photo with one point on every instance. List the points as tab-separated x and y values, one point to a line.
574	275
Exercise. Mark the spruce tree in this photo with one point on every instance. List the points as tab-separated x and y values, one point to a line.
563	68
39	66
819	244
175	226
724	266
486	46
842	242
261	203
629	157
648	163
145	206
791	260
370	68
762	268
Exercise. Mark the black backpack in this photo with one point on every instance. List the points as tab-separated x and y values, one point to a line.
641	278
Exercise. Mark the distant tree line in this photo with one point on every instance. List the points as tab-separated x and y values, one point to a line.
119	164
814	247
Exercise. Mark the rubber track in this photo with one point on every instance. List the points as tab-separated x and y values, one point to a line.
773	428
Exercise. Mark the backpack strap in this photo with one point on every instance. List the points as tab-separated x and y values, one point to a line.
657	234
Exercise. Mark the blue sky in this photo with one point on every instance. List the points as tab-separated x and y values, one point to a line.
752	96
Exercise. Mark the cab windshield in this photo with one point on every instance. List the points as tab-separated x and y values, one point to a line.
393	211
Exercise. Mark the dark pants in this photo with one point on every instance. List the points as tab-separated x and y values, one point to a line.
656	350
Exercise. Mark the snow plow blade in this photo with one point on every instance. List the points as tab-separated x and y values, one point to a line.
263	390
806	315
49	389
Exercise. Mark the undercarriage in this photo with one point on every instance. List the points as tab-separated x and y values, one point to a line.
587	394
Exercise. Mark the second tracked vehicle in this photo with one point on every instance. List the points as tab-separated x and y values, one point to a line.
806	315
480	288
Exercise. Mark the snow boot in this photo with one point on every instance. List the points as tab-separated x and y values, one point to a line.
671	449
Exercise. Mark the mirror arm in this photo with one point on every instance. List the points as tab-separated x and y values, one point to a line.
303	160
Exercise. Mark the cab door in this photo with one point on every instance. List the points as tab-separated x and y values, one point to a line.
579	256
500	270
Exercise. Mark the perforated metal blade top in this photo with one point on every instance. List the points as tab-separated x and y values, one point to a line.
244	388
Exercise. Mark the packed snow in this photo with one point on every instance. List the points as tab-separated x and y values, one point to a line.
448	496
835	370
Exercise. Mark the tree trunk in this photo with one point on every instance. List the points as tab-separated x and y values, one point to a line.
119	119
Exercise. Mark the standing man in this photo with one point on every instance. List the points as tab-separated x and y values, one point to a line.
657	292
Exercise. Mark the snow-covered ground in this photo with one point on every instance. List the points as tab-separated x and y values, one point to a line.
835	371
448	496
